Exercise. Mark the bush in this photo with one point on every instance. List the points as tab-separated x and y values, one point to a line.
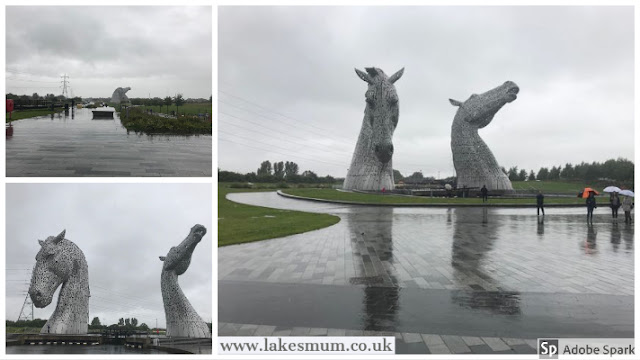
140	121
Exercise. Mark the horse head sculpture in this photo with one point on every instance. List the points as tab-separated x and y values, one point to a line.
60	261
371	167
182	319
473	160
119	95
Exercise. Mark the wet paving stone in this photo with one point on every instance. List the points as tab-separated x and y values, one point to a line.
462	274
476	249
424	311
79	146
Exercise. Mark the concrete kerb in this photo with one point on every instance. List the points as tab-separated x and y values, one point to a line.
436	205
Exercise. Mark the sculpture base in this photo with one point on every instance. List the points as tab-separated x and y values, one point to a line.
188	329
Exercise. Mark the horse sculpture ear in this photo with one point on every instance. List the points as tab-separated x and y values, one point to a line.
364	76
455	102
41	242
60	237
395	77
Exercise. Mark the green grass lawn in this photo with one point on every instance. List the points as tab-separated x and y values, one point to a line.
239	223
188	109
23	330
331	194
24	114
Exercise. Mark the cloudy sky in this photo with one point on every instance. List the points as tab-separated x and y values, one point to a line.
122	229
288	90
157	51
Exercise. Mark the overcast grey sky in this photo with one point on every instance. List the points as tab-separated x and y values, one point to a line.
121	229
157	51
288	90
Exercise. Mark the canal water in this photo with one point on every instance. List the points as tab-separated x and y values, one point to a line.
74	144
105	349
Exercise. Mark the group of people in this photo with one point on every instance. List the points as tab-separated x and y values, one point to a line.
626	204
614	202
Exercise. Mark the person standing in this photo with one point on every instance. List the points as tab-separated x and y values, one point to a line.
591	204
484	193
615	205
540	202
627	205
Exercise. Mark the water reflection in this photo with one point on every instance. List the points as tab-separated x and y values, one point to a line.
470	245
371	240
616	235
371	234
627	236
103	149
540	227
102	349
590	243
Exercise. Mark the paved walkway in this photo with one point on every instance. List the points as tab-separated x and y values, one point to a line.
473	270
76	145
406	343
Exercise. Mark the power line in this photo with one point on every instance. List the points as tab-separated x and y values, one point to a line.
242	137
284	138
33	87
274	151
289	126
25	73
349	143
53	82
297	122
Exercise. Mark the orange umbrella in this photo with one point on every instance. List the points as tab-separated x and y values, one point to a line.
585	193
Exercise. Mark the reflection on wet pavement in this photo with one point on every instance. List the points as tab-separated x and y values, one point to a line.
77	145
406	269
425	311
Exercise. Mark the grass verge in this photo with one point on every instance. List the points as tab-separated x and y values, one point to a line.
23	330
239	223
139	121
331	194
25	114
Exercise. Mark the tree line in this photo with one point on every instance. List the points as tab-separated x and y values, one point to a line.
35	96
617	170
178	100
620	170
123	323
128	323
280	171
